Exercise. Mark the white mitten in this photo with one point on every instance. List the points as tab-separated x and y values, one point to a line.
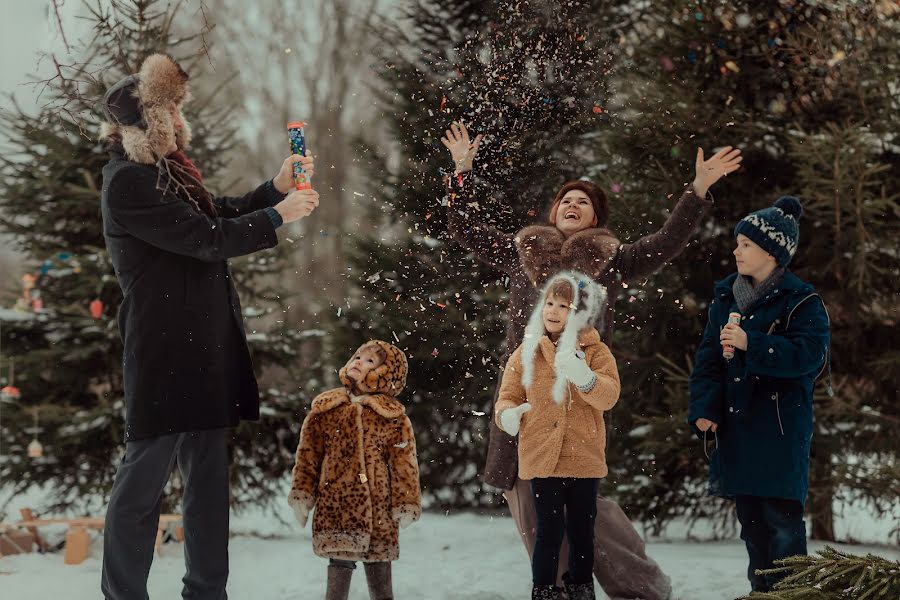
575	369
300	511
511	417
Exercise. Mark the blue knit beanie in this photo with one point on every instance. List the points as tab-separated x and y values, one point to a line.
775	229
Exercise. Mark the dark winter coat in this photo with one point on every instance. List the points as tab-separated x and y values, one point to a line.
186	362
762	398
538	252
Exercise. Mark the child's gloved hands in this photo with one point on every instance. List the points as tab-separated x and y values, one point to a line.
300	511
511	417
575	369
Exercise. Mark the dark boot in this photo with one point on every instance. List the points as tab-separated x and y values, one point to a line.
378	576
545	592
578	591
339	574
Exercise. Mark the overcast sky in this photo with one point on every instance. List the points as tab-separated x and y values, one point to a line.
26	32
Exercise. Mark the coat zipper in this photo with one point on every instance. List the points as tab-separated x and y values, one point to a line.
778	411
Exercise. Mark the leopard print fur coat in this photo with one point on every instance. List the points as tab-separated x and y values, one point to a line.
356	464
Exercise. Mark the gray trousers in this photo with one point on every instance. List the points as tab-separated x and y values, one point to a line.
621	565
132	517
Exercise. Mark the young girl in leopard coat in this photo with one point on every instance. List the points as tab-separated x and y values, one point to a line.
356	464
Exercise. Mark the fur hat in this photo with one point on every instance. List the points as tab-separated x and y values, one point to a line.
138	109
387	378
589	298
775	229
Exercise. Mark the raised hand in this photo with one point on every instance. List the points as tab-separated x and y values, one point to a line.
725	161
575	369
462	149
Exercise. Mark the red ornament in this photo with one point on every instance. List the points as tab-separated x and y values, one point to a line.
10	392
597	110
96	308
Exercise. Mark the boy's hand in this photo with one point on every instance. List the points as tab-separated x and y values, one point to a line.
284	181
725	161
512	417
706	424
733	335
574	369
461	148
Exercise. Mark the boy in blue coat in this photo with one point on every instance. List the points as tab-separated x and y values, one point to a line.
758	404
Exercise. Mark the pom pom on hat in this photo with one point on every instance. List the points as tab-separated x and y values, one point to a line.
790	206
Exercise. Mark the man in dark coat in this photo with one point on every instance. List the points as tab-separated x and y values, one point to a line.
187	369
758	405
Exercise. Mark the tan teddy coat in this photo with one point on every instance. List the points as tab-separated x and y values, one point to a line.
356	463
567	440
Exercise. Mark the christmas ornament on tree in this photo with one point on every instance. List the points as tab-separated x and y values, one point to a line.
10	392
96	308
35	448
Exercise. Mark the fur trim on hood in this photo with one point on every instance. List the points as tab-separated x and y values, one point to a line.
161	82
545	251
387	378
589	300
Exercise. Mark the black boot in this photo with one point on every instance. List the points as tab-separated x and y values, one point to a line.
579	591
545	592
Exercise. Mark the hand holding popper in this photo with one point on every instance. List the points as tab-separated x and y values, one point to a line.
295	174
298	147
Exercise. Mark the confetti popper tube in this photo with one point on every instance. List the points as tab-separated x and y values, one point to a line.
727	350
298	146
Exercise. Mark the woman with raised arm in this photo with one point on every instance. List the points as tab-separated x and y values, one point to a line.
575	238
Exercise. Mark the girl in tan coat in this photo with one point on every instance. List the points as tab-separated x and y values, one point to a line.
555	388
356	464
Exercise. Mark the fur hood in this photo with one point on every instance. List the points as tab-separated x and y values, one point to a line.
388	378
545	251
589	301
159	83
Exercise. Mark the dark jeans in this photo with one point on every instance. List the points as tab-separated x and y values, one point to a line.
772	529
134	507
564	506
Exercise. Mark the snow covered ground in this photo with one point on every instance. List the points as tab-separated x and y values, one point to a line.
443	557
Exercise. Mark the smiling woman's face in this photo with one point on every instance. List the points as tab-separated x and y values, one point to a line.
575	212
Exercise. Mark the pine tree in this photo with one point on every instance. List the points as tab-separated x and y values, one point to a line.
835	575
67	363
808	91
532	78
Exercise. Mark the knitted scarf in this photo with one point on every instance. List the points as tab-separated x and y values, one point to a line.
189	182
746	295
